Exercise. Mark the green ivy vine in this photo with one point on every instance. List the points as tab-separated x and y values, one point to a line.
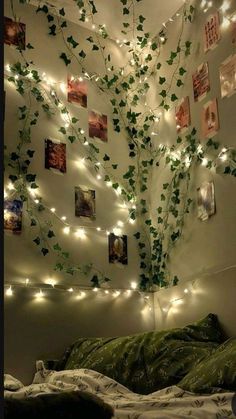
125	88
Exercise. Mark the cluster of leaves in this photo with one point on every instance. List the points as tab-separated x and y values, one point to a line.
126	91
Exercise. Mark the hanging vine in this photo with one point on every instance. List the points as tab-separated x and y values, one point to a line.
126	89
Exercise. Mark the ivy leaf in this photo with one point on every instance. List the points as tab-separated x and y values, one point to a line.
51	234
29	46
95	47
106	157
114	166
62	12
173	97
42	9
162	80
179	83
57	247
33	222
72	138
52	30
72	42
137	235
30	178
82	54
62	130
37	241
64	24
74	120
50	18
182	71
125	11
163	93
163	198
64	57
44	251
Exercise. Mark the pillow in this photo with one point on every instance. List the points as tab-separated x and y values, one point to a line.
149	361
216	371
11	383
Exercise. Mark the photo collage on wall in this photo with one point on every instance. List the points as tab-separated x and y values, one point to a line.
205	200
14	33
201	82
13	215
182	115
228	76
85	202
55	156
210	119
212	34
118	249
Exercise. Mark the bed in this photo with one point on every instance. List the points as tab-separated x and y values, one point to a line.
180	373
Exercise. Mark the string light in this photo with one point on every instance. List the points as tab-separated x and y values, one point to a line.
9	291
134	285
63	218
39	294
80	233
204	161
53	210
70	290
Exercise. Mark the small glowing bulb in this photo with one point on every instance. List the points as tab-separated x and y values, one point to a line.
66	125
109	184
63	87
98	228
134	285
98	163
36	201
95	289
93	26
39	294
83	293
70	289
119	190
53	209
16	77
223	157
204	161
107	233
99	177
117	231
165	309
63	218
186	291
51	282
81	78
120	223
9	291
86	143
116	293
27	281
131	221
82	131
66	230
7	67
80	233
10	186
106	292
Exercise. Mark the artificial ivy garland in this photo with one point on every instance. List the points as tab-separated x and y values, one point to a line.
125	88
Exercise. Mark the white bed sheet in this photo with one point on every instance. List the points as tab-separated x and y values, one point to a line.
169	403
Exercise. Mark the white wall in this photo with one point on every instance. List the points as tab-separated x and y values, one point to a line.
205	246
34	329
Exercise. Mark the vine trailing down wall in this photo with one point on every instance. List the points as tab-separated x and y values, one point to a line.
125	88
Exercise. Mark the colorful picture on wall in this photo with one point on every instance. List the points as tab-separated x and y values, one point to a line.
13	215
228	76
210	119
206	201
55	156
77	91
117	249
98	125
85	202
14	33
233	28
212	32
182	115
201	82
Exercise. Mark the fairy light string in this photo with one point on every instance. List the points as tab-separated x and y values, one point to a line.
173	154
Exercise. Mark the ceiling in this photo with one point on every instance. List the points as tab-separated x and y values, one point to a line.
110	13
